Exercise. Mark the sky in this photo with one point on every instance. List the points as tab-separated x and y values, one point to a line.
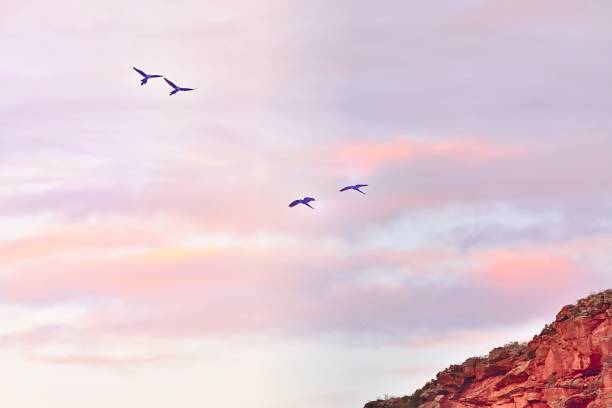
148	256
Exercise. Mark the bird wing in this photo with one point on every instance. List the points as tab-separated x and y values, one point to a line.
187	89
140	72
155	76
171	83
308	199
361	185
296	202
345	188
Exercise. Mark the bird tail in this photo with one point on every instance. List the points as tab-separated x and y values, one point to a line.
143	81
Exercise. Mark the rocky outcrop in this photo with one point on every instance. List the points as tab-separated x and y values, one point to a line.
568	365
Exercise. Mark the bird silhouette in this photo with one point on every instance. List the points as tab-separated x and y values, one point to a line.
177	88
146	76
304	201
356	187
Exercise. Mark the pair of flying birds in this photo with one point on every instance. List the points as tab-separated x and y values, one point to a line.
307	200
175	89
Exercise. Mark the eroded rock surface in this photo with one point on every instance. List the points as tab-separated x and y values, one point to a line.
568	365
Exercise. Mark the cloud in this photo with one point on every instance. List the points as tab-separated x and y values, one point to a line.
524	14
509	270
171	292
436	174
366	157
39	335
94	360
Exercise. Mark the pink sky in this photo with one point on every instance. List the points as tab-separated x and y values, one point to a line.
147	252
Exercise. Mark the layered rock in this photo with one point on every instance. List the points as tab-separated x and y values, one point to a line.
568	365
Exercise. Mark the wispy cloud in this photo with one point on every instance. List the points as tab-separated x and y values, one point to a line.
114	362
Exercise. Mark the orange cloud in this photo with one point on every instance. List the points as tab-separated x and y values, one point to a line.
77	239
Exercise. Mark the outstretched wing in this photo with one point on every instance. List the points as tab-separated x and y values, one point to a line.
308	199
361	185
346	188
171	83
155	76
296	202
187	89
140	72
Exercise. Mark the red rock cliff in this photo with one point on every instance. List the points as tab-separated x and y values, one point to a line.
568	365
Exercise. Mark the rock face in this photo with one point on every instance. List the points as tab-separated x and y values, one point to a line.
568	365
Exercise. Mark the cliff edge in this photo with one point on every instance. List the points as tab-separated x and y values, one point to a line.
568	365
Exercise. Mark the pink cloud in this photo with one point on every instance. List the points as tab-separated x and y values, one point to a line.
365	157
515	269
498	14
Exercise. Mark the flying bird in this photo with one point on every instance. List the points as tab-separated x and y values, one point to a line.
177	88
146	76
356	187
304	201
